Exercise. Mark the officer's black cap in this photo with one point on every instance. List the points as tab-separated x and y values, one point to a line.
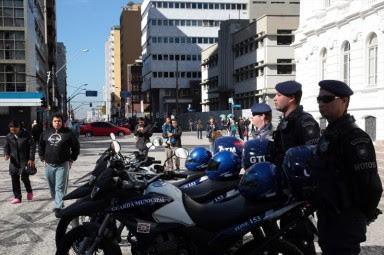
338	88
260	108
288	88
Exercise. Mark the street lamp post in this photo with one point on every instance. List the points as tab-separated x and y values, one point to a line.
49	73
73	95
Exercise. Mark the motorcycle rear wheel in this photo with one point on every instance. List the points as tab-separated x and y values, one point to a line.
77	236
279	246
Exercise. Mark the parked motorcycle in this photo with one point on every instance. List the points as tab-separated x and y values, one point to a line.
163	220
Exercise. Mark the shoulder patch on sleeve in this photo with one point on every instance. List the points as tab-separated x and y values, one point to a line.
360	140
308	123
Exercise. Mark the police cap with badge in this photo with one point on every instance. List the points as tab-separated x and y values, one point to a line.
260	108
338	88
288	88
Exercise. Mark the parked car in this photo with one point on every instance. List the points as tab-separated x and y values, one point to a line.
101	128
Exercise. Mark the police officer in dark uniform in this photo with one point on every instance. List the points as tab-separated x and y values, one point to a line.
296	128
262	116
345	172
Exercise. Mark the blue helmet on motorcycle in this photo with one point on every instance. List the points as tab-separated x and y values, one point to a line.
262	181
256	151
198	159
229	143
295	165
223	165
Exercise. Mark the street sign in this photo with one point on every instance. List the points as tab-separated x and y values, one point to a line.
124	94
236	106
230	100
191	110
91	93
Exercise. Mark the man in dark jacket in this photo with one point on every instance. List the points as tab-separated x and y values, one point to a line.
20	148
175	139
296	128
58	149
345	171
142	133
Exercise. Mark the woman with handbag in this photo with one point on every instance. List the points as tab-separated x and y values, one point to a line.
20	149
211	128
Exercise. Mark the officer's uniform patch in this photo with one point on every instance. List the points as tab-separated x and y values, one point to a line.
362	151
360	140
324	145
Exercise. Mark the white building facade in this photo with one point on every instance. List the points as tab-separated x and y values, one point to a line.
173	36
112	87
344	40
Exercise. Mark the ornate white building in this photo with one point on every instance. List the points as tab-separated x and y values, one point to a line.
344	40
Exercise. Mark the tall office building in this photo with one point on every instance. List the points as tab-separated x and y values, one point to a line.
130	46
112	86
251	57
27	45
173	36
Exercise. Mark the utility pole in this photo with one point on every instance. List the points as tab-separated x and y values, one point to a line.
53	86
177	87
47	94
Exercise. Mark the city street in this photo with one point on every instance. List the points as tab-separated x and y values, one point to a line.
29	227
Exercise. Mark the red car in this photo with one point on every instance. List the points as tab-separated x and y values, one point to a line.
101	128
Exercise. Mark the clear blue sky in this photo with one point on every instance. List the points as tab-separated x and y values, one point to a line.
86	24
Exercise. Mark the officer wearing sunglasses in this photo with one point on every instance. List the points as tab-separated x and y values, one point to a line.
296	128
345	172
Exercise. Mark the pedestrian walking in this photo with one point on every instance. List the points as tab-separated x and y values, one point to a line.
58	149
199	128
345	171
142	132
76	129
232	127
37	129
262	118
19	149
241	128
190	125
296	128
167	126
175	142
247	122
211	128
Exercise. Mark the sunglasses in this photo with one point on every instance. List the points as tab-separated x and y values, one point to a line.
326	99
257	113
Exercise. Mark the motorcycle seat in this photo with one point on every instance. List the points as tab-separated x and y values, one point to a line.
210	189
191	176
215	217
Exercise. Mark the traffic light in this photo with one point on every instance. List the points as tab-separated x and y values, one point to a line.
43	102
90	104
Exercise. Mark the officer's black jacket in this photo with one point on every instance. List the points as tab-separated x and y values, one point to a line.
298	128
345	168
56	147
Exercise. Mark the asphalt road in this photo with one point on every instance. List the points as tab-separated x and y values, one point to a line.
29	227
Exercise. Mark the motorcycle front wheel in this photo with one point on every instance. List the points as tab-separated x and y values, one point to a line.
279	246
80	239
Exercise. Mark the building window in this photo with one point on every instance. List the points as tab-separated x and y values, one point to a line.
12	78
284	66
323	64
370	127
284	37
372	60
346	59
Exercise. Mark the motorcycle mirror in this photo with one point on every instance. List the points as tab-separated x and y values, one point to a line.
181	153
158	141
113	137
116	146
150	146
